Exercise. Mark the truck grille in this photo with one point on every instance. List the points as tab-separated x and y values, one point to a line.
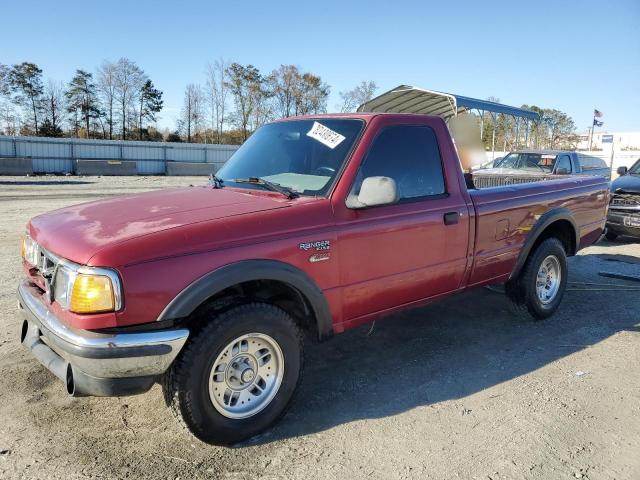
488	181
43	271
625	201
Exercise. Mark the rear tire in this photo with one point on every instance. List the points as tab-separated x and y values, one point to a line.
611	236
537	292
237	375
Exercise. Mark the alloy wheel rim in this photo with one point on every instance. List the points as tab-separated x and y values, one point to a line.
548	279
246	375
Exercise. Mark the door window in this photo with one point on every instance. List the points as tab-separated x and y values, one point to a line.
410	155
564	162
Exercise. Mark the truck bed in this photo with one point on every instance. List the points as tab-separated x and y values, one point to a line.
506	215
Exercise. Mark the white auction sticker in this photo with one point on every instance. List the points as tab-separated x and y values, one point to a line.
325	135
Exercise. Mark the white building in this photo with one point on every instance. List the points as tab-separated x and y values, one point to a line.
620	140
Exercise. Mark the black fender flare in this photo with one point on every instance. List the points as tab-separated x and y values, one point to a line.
543	222
250	270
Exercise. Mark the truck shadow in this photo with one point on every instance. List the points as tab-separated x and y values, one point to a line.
445	351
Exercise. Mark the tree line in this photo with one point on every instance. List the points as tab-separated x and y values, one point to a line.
553	129
237	99
119	101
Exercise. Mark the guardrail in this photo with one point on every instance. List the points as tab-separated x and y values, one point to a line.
61	155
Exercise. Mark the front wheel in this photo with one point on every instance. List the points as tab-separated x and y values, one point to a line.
236	377
538	290
611	236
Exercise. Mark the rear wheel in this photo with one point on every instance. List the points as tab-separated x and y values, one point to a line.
538	290
236	377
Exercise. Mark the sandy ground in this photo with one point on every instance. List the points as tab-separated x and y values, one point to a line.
458	389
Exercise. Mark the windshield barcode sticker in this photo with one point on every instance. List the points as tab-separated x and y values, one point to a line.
325	135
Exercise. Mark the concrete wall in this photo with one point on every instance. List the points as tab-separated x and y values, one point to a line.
106	167
191	168
16	166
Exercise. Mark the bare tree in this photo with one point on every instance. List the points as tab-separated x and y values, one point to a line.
106	80
217	90
352	99
54	106
192	111
9	118
129	79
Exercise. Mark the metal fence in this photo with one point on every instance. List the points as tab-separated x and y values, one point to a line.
59	155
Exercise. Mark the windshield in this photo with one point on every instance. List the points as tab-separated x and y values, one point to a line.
302	155
528	161
635	169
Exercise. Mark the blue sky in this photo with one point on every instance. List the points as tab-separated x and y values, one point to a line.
573	56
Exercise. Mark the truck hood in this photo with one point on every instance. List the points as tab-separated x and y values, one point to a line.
80	231
627	183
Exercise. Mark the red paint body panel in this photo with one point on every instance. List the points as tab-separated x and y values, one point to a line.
381	259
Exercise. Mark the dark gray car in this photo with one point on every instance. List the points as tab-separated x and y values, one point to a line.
525	166
624	207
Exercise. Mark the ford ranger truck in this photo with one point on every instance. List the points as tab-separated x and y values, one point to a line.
316	224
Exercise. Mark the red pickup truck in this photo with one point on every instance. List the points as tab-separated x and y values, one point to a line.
317	223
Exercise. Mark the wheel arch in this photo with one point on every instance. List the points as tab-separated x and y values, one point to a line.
558	223
251	273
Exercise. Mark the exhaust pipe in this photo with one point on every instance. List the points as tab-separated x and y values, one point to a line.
77	383
30	338
73	382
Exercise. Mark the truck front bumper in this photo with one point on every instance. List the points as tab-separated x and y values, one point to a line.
624	223
92	363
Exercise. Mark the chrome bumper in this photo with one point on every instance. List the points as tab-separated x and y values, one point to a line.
92	359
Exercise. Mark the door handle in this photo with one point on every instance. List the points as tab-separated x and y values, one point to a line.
451	218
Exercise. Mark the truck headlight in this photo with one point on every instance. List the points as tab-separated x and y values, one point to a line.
30	250
87	289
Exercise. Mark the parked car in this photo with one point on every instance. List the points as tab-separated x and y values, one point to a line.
624	208
318	223
526	166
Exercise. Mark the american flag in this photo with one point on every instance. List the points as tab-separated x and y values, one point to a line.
597	114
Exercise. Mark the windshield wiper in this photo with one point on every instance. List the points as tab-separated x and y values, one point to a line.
215	182
274	187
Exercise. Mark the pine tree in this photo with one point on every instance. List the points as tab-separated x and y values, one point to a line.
25	81
82	97
150	104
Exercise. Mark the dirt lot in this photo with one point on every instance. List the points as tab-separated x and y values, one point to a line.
455	390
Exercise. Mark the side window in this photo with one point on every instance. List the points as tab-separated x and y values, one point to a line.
564	162
409	154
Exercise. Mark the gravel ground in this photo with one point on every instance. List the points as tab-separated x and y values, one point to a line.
459	389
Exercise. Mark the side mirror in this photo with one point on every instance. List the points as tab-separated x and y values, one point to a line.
622	171
375	191
562	171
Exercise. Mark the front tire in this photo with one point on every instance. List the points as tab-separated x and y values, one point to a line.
611	236
237	375
538	290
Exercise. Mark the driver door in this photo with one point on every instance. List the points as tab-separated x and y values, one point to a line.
391	255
